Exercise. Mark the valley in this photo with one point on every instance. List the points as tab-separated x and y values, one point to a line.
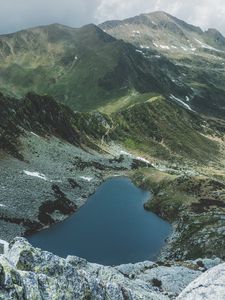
141	99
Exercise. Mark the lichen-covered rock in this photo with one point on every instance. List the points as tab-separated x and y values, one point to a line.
210	285
28	273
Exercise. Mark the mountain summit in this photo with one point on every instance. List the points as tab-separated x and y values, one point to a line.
163	31
198	55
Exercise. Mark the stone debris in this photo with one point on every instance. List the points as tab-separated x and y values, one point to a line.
29	273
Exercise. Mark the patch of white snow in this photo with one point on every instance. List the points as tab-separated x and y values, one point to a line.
142	159
185	105
144	47
34	134
35	174
206	46
156	45
185	49
86	178
125	153
164	47
136	32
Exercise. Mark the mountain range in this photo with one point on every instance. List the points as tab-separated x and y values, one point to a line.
198	55
142	97
84	68
91	67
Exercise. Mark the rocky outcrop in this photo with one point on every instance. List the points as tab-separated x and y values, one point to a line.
208	286
29	273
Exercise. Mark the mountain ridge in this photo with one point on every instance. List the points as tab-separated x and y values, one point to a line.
90	67
83	68
198	55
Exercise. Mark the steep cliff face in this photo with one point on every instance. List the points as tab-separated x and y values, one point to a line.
27	273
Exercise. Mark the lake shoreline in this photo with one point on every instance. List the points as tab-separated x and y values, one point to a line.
128	219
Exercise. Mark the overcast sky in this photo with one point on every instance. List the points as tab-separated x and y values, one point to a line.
19	14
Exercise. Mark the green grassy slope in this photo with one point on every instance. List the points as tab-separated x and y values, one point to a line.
157	127
162	129
84	68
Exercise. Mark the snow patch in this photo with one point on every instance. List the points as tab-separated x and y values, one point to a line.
136	32
185	105
206	46
35	174
144	47
86	178
139	51
187	99
143	159
185	49
34	134
156	45
125	153
164	47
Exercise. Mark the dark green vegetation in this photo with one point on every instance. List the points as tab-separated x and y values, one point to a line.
34	113
46	117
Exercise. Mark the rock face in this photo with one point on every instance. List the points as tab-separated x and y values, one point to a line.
210	285
29	273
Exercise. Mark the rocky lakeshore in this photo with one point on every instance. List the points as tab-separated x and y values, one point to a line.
52	181
194	205
28	273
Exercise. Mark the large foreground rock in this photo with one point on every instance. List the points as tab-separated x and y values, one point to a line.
208	286
32	274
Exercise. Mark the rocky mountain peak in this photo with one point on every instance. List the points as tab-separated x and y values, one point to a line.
214	36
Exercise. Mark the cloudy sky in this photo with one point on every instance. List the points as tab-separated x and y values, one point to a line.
19	14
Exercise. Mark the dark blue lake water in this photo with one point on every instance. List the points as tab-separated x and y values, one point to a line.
111	228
